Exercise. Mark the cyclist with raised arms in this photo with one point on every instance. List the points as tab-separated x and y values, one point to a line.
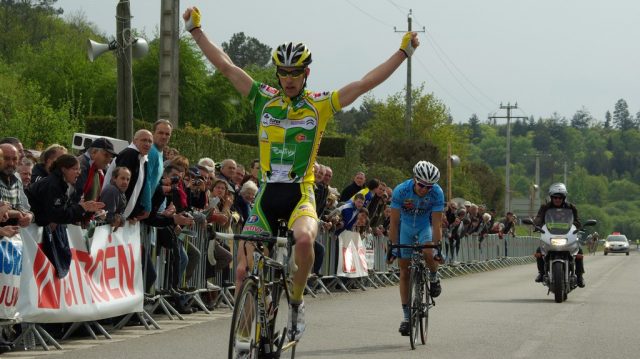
417	207
290	124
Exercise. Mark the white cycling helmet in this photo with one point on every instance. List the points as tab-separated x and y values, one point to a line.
558	189
291	55
426	172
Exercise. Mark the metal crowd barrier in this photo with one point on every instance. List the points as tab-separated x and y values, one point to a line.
161	259
473	256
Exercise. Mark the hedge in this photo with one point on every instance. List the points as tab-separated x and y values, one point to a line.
341	154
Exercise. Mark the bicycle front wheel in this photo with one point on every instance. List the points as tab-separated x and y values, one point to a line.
424	323
244	339
416	318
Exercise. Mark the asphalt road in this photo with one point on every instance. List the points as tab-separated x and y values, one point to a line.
496	314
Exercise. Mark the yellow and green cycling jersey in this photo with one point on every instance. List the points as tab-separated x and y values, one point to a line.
290	131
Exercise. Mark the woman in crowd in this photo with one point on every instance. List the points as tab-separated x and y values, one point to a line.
248	195
219	217
53	206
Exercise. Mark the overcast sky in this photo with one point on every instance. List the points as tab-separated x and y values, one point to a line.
546	55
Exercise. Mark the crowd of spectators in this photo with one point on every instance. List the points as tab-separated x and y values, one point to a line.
150	182
472	220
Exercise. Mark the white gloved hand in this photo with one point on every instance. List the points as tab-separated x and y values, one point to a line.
192	19
407	45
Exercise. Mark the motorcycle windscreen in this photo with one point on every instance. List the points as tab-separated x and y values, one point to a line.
558	220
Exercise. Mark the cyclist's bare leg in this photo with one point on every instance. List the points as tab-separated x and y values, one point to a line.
432	264
304	230
243	264
404	280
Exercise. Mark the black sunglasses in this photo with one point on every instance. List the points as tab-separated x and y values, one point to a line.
295	73
424	185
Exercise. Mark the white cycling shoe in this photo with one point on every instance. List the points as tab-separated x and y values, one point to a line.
296	313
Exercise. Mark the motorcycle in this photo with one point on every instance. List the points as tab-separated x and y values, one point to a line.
559	245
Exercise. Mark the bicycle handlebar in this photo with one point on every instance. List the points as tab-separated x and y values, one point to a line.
264	238
416	246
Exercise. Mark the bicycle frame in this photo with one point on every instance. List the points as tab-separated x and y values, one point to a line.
269	276
418	292
263	268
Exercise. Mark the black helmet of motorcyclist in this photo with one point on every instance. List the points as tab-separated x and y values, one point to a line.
558	190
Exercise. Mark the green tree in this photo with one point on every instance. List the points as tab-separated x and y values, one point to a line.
25	22
597	157
194	90
430	132
474	126
623	190
581	119
542	140
588	189
27	114
621	118
245	50
353	121
61	69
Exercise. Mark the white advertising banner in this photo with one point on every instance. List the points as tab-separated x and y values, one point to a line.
352	261
10	268
369	245
104	279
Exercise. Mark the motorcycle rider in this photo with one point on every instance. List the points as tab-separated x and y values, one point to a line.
558	199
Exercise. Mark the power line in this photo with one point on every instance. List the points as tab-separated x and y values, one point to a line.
436	46
444	89
367	14
431	75
458	80
400	9
438	51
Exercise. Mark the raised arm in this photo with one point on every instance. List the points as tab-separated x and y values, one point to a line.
352	91
214	53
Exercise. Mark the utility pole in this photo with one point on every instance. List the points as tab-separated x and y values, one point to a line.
538	176
507	195
408	115
125	96
169	61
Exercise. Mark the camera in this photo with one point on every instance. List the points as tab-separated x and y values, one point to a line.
175	179
197	181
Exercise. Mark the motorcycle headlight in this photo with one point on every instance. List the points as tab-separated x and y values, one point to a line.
558	241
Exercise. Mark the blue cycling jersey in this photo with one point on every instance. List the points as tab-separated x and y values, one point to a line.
415	211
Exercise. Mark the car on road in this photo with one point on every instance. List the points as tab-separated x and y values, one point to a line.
616	243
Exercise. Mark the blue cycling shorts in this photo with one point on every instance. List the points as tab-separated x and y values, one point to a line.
411	235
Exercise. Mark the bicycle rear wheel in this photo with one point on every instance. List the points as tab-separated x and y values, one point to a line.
416	318
244	339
